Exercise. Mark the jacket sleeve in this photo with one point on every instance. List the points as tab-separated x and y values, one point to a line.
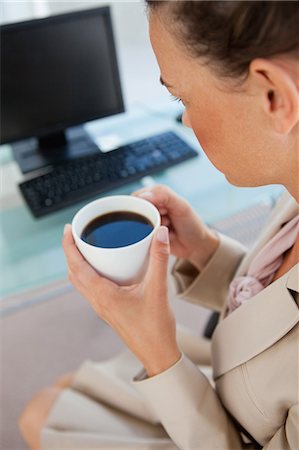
210	286
287	436
189	408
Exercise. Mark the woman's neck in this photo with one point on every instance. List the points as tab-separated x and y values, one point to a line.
291	173
295	192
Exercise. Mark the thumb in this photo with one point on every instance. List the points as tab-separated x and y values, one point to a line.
159	255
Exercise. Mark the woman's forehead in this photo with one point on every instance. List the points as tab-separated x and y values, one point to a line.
177	68
172	61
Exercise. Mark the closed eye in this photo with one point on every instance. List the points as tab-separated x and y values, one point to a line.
175	99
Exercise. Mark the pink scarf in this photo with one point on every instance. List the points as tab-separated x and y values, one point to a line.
264	266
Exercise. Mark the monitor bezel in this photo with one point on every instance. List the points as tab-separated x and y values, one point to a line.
102	11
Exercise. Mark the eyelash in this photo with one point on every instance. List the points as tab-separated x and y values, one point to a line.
175	99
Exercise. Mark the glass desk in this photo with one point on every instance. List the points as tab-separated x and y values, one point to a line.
31	255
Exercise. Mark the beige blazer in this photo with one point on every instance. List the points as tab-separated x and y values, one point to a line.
255	361
254	353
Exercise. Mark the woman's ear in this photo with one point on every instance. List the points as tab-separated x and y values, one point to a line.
278	85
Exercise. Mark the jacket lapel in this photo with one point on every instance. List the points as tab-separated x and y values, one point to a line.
285	210
257	324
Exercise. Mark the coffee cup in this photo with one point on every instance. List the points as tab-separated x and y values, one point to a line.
124	264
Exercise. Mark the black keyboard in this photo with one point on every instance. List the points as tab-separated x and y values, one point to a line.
74	180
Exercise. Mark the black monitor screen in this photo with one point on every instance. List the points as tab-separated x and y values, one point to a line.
57	72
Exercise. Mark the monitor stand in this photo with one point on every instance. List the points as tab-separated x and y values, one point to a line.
33	154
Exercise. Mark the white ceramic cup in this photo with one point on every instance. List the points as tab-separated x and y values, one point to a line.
124	265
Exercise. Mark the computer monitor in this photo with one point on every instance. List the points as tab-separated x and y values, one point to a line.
57	72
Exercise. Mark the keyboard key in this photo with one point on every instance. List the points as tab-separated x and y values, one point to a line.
86	176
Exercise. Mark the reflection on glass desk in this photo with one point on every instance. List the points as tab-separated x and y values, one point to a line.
30	250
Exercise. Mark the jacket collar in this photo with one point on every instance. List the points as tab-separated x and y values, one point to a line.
257	324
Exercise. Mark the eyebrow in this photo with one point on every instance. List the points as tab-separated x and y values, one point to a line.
164	83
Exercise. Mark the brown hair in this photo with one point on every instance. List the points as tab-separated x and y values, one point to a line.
230	34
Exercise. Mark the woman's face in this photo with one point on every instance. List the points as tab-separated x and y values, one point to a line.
228	122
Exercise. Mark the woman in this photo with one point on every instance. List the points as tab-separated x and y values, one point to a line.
235	67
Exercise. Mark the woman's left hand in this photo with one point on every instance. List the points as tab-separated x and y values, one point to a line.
140	314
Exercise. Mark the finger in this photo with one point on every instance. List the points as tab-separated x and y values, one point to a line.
148	194
172	236
140	191
165	221
76	282
80	269
75	261
156	275
163	211
163	197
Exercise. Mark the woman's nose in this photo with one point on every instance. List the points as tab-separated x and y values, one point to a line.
185	119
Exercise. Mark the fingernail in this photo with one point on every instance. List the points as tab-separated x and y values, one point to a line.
66	227
146	194
163	235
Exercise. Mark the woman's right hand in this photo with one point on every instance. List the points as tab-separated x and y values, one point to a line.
190	238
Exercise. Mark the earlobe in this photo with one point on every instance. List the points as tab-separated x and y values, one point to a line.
278	86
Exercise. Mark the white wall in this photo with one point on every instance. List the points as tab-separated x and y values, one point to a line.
138	67
13	11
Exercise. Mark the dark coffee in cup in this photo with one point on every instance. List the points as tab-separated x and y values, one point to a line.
116	229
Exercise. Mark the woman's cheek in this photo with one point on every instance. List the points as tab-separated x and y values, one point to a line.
213	138
206	140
